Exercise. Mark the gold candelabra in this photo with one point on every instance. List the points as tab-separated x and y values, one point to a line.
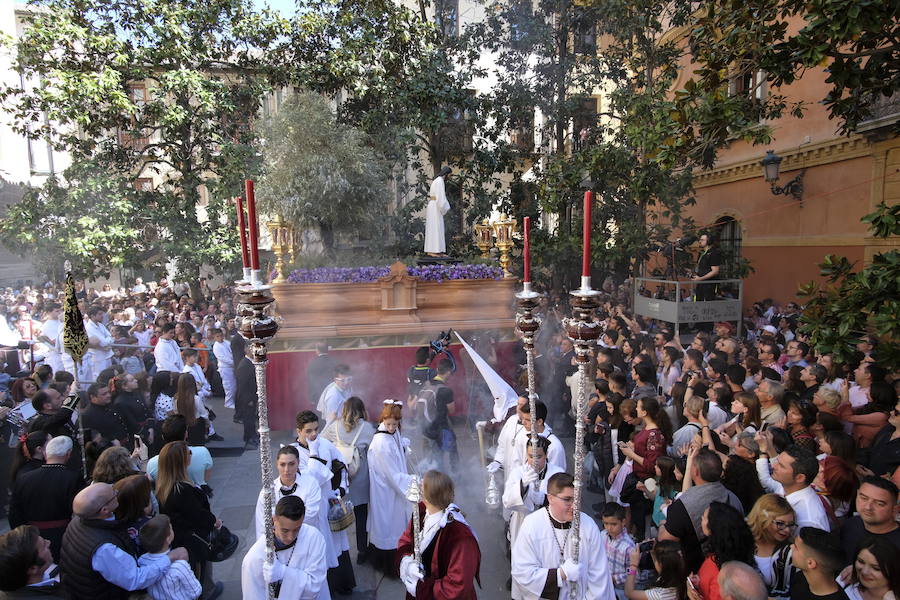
282	234
484	237
504	228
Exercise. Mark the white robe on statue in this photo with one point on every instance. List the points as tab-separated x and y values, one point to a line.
537	550
435	210
304	577
335	541
389	510
307	490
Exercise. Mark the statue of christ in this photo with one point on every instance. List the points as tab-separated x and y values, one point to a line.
437	207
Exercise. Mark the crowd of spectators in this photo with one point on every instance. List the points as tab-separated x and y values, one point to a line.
104	464
751	448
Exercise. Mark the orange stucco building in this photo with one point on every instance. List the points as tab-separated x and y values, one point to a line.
845	177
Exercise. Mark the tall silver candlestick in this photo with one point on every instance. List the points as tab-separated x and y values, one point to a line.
583	330
414	495
528	323
258	328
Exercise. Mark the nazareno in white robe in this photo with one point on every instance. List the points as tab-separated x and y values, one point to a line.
307	490
389	510
304	577
335	541
536	551
435	210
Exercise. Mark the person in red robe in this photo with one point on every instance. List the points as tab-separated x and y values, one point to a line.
451	558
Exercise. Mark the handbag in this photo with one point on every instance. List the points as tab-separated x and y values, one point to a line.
222	544
350	452
629	491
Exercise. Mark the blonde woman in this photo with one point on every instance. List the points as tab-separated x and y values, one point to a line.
773	524
352	435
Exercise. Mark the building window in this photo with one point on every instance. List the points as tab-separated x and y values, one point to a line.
584	120
455	137
584	27
522	134
40	153
748	82
730	238
132	138
446	17
143	184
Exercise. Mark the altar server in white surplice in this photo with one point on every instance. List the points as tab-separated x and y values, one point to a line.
389	483
291	483
435	210
542	562
556	453
526	491
298	572
316	455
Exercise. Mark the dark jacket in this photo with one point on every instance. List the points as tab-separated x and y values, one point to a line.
81	540
192	521
107	421
245	389
43	498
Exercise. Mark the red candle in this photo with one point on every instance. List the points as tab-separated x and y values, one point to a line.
252	225
526	250
586	256
242	227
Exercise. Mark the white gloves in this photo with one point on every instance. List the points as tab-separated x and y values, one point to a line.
529	475
313	447
411	574
405	442
273	571
571	569
493	467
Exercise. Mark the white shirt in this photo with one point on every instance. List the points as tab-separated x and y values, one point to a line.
101	336
224	357
168	356
808	509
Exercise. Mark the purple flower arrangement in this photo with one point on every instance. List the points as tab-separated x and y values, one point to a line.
369	274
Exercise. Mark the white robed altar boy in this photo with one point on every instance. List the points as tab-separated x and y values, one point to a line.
291	483
542	561
299	569
526	491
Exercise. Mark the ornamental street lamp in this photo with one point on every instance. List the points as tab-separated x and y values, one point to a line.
771	165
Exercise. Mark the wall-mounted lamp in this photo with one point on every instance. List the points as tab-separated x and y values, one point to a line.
771	165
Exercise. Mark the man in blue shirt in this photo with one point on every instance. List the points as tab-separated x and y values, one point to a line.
98	557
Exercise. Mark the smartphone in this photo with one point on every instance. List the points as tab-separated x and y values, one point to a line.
691	584
142	449
705	407
765	426
659	390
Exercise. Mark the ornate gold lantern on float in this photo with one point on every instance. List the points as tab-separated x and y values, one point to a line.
484	237
504	228
282	234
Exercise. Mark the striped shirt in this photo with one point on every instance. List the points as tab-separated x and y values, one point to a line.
618	554
178	583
